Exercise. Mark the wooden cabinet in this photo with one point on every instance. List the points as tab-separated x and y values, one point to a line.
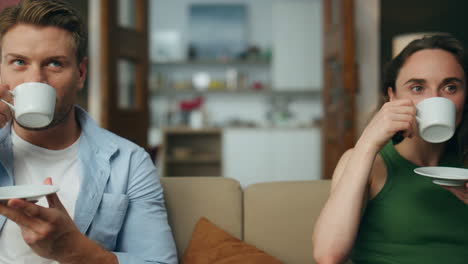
188	152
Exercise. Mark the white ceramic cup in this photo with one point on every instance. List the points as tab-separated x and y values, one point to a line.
436	119
33	104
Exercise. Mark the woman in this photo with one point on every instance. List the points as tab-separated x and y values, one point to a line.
379	210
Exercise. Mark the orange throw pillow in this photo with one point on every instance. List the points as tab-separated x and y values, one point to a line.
212	245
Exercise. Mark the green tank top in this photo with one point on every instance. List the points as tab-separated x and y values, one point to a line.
412	220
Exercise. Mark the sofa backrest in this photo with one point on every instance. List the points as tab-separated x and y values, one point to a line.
279	217
189	198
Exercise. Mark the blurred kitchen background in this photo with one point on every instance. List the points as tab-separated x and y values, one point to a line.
256	90
246	75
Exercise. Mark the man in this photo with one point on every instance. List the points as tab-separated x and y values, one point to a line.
108	185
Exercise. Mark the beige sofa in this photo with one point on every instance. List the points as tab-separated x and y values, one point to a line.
276	217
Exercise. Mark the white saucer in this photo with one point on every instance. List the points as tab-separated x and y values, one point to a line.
28	192
446	176
449	183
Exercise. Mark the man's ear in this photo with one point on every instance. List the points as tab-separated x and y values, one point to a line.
83	71
391	94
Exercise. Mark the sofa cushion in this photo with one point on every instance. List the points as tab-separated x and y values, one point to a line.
190	198
279	217
210	244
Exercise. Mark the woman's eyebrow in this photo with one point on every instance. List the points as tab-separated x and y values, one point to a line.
415	80
451	80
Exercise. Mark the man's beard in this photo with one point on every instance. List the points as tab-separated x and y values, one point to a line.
59	118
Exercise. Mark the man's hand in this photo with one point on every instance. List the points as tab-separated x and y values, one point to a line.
5	112
460	192
51	233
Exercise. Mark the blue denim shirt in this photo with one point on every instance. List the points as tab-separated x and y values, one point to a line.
120	204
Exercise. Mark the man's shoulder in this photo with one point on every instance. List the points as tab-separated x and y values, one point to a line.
104	138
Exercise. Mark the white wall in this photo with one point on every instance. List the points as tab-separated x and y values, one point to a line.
297	45
367	25
94	52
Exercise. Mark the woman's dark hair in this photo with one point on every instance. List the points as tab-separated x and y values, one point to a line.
444	42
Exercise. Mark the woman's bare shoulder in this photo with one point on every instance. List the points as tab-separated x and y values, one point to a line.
377	175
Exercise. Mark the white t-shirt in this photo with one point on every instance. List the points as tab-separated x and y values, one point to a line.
32	165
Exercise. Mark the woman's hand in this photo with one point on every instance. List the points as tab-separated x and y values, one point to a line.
461	192
394	116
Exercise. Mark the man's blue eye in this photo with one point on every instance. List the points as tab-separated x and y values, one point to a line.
18	62
55	64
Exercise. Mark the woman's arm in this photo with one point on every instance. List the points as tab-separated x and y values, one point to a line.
338	223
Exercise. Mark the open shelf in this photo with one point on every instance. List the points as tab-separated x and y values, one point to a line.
190	152
194	160
312	92
212	62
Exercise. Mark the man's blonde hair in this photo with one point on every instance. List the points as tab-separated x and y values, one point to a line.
46	13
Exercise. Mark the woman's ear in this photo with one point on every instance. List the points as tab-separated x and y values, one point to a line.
391	94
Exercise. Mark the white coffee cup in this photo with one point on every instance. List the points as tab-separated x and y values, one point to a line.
436	119
33	104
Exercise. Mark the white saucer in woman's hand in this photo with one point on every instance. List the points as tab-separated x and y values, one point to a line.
446	176
27	192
